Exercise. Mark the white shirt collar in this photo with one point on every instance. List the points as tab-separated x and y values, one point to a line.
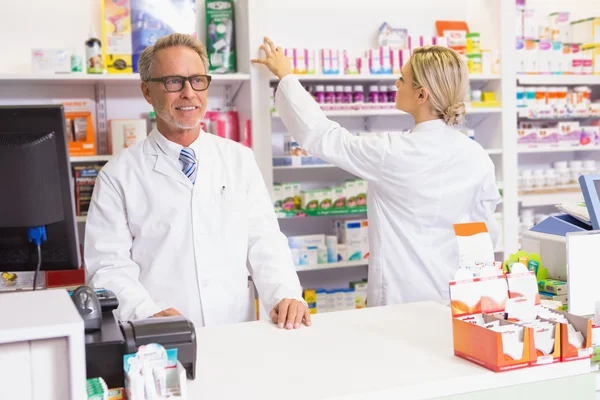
171	149
433	125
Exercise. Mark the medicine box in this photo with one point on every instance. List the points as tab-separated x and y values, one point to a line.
116	36
350	234
50	61
298	242
125	133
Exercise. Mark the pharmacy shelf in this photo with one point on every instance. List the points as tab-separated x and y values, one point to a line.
559	79
100	78
301	167
374	78
494	151
558	149
331	212
549	199
341	264
394	112
100	158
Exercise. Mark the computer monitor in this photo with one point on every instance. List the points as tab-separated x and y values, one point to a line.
590	187
36	189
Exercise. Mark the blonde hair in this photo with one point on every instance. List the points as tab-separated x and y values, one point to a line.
444	74
172	40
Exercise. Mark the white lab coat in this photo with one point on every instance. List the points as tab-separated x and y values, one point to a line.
158	241
420	184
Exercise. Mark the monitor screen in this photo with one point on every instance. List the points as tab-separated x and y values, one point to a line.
36	182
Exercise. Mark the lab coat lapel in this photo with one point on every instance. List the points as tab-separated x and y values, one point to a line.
165	167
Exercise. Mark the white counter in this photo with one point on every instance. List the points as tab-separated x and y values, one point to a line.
402	351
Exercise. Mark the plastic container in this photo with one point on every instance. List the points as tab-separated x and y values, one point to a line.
541	93
383	94
552	96
320	94
520	96
339	94
392	93
589	167
358	94
530	96
373	94
473	43
561	95
550	178
539	179
475	95
475	63
93	55
526	181
347	94
329	94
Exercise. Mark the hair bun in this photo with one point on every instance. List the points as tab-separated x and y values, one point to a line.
455	113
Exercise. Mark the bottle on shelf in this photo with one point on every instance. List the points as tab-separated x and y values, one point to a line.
93	54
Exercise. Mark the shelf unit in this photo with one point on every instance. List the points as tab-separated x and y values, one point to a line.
558	149
559	79
100	158
374	78
549	199
394	112
341	264
86	79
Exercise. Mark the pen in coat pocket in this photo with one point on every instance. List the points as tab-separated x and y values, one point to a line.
223	190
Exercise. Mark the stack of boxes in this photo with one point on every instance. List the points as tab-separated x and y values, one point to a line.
322	300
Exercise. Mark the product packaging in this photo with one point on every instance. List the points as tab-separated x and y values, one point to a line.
125	133
151	20
350	235
50	61
79	127
220	36
116	39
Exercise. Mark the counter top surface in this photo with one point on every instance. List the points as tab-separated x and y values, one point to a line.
400	350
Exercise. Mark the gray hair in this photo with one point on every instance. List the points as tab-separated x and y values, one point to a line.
172	40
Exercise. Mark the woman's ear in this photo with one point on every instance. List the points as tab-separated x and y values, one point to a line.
423	95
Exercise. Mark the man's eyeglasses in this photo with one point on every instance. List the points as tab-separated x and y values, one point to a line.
174	83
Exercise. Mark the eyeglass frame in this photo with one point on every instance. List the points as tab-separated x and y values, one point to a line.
163	79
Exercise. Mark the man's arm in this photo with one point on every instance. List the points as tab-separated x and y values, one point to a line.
108	242
270	258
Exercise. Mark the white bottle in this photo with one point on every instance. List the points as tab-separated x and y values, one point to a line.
550	178
527	179
589	167
539	180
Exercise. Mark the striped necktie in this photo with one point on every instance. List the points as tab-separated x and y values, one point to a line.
187	160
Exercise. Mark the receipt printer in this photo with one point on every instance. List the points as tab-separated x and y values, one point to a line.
171	332
105	347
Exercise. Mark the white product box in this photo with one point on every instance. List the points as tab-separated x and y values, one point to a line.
331	242
50	61
125	133
298	242
351	237
322	304
364	232
545	56
530	25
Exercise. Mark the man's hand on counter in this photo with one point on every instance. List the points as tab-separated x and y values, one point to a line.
169	312
290	314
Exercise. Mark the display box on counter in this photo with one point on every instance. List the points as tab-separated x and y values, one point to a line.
498	323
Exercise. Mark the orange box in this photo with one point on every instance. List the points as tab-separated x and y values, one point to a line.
583	325
484	347
541	359
81	138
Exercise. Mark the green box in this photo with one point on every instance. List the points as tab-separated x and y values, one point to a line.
220	36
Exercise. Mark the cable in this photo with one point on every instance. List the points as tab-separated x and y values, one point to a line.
39	264
37	235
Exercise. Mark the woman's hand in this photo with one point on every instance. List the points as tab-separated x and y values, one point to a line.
274	59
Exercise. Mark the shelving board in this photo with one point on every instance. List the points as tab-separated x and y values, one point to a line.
394	112
75	159
341	264
301	167
558	149
101	78
559	79
374	78
549	199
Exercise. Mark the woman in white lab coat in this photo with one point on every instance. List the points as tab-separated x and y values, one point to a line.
420	183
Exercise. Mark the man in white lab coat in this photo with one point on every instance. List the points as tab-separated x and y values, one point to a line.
178	221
